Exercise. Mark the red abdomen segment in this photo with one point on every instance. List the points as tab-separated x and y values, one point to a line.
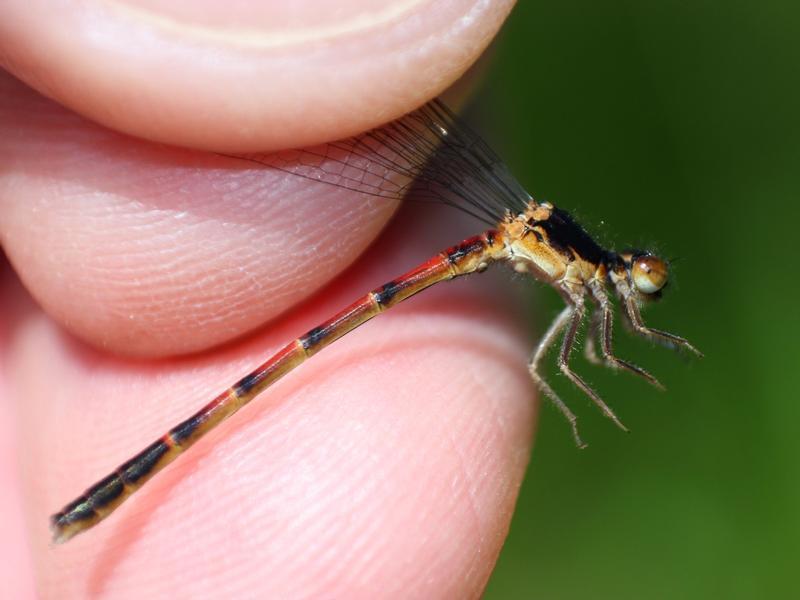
101	499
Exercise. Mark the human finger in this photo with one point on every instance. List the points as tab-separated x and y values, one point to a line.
244	75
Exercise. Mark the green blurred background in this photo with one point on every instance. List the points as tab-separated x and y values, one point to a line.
671	125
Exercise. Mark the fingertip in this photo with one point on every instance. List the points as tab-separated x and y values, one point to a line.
259	77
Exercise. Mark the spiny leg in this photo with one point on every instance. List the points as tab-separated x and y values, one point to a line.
533	367
589	348
606	330
666	338
577	314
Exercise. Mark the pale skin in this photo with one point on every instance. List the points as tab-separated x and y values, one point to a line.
386	466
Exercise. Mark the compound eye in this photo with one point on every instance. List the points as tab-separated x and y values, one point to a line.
649	273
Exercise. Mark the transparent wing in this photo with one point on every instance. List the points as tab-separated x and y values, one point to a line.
429	149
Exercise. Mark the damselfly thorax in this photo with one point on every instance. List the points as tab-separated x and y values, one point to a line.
447	163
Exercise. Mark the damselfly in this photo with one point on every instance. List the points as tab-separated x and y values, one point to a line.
445	161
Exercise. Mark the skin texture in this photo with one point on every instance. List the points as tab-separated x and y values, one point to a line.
152	277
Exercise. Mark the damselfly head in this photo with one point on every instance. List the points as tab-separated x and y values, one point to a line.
648	272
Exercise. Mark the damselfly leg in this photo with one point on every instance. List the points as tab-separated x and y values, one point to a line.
663	337
592	335
549	337
577	308
603	323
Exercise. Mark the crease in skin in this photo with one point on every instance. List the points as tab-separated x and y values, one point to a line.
254	38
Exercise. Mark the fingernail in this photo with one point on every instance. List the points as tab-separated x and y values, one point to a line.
267	23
